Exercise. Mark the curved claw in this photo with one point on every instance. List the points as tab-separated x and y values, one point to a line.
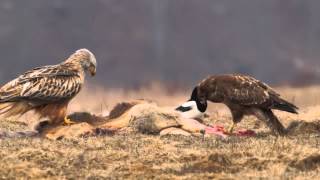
68	122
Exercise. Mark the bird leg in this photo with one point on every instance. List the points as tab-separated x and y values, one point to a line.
68	121
237	116
230	129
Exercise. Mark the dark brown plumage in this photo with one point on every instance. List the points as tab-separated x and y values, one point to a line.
243	95
48	89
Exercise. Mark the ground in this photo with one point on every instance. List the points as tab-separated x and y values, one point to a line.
138	156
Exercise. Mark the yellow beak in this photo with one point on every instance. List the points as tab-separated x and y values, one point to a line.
92	70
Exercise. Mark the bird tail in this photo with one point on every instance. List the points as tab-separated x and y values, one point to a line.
284	105
9	109
274	123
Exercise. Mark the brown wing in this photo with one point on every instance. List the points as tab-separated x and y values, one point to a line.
243	90
44	84
249	91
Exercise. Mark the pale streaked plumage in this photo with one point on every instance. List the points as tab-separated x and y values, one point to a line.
48	89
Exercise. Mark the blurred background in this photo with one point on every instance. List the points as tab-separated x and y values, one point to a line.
175	42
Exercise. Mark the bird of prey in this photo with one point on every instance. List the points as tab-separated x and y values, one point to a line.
243	95
47	90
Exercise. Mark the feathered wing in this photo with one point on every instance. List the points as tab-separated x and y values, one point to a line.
44	85
247	91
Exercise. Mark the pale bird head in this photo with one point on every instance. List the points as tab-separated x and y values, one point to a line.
87	60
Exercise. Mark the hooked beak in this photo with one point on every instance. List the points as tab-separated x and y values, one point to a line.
92	70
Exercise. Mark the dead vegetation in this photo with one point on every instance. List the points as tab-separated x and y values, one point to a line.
137	156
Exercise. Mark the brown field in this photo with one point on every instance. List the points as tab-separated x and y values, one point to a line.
138	156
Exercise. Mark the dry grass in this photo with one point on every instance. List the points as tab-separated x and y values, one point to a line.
138	156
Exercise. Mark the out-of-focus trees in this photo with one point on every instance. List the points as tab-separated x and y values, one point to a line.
175	41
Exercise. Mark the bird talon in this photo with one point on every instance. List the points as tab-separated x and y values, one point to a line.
68	122
230	130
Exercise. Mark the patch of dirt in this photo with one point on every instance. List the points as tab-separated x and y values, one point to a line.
257	164
302	127
309	163
213	163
